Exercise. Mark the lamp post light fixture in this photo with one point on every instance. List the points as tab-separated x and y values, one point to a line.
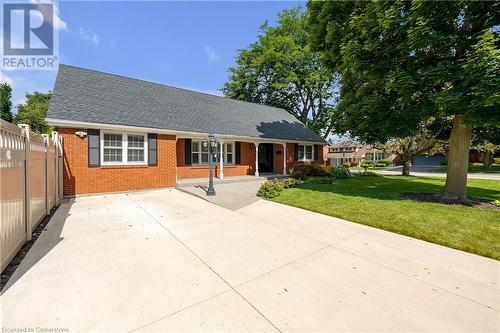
211	144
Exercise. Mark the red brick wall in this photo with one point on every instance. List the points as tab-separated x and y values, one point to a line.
246	167
80	179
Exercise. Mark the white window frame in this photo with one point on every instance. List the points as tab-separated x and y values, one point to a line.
124	148
305	154
224	149
233	147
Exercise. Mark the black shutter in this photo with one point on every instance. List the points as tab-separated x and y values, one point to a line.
187	151
296	152
316	152
152	149
94	147
237	158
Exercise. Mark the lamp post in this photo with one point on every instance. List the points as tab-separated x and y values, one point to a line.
211	143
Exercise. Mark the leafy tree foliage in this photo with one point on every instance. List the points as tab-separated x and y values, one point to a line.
282	70
404	62
34	111
5	102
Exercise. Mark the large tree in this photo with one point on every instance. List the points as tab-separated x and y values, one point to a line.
282	70
5	102
404	62
34	111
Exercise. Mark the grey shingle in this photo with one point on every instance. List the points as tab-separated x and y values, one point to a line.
96	97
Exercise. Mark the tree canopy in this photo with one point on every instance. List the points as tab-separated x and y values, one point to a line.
402	63
6	102
281	69
34	111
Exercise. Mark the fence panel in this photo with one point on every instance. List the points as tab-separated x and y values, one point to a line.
30	174
37	179
12	192
51	164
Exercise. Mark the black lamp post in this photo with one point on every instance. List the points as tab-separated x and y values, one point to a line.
211	143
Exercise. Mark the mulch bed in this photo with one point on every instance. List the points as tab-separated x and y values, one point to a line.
435	197
9	270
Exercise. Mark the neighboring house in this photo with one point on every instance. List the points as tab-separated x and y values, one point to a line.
352	152
123	134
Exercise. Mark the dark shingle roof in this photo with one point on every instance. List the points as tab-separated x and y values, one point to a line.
84	95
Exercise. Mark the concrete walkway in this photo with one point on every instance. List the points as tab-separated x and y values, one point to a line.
169	261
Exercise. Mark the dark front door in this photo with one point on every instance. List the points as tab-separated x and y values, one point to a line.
265	158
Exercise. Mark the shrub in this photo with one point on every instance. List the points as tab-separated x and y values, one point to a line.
386	162
497	160
364	165
353	163
444	162
340	173
496	203
299	175
346	165
380	165
270	189
289	182
369	162
305	170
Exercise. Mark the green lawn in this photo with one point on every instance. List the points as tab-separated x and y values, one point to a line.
375	201
473	168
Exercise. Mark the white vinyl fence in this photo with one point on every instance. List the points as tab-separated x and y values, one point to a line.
30	181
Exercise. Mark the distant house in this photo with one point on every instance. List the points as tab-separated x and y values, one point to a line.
352	152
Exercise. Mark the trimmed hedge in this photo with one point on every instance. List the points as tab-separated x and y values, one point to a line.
271	189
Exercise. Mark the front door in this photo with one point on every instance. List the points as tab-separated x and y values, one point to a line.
266	158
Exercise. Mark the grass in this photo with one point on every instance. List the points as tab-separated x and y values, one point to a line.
375	201
495	168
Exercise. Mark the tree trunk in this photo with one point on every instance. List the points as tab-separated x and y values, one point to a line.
406	168
458	159
487	159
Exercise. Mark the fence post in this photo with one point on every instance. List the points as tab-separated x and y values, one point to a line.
60	166
27	192
55	139
47	177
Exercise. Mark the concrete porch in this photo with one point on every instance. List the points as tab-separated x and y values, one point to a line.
231	192
227	180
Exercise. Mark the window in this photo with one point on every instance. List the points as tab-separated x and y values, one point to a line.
228	152
135	148
199	154
305	152
123	148
301	152
309	152
112	148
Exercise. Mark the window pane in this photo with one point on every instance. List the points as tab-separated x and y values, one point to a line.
135	155
136	141
112	140
301	152
112	155
309	152
204	157
195	158
229	147
195	147
229	158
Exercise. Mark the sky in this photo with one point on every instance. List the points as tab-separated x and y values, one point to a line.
184	44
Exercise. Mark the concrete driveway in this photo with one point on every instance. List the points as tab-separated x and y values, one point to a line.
168	261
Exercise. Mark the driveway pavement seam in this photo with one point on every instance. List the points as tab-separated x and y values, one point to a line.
180	310
200	259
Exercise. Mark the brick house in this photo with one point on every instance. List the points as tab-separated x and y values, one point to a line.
352	152
122	134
